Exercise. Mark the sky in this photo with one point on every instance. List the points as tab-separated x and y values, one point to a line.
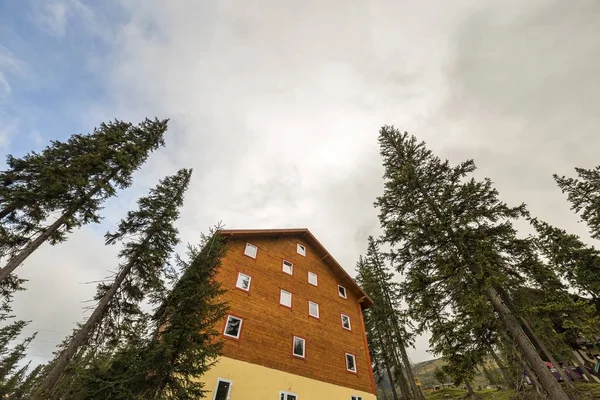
276	105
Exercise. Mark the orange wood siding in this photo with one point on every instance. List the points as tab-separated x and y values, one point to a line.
268	327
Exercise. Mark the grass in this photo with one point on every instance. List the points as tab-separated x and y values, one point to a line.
585	391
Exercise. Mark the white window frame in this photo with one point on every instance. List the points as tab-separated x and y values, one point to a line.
281	292
286	394
316	278
303	347
217	387
301	249
237	282
239	330
345	296
251	246
355	370
285	264
353	397
318	311
349	328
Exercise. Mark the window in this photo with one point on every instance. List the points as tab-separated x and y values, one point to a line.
350	362
288	396
312	278
313	309
250	250
233	327
288	267
346	322
243	282
298	347
285	298
223	389
301	249
356	398
342	291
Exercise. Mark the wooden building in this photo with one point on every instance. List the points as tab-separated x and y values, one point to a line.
295	329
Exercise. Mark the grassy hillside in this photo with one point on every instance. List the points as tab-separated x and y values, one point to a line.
424	372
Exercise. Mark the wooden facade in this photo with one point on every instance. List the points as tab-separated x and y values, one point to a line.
268	328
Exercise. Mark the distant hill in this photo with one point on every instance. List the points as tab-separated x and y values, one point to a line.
424	372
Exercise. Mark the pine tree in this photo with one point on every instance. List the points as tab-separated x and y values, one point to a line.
584	194
451	234
24	390
440	376
70	179
186	344
149	236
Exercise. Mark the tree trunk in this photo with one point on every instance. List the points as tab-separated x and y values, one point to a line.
470	391
417	395
386	362
539	343
550	385
14	262
531	375
502	368
82	334
409	372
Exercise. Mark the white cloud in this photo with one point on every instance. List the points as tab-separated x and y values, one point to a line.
53	16
277	109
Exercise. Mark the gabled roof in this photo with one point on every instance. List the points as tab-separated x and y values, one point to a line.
306	235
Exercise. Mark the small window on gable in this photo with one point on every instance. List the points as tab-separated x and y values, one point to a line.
233	327
356	398
346	322
350	362
298	349
285	298
301	249
342	291
243	282
313	309
250	250
288	267
312	278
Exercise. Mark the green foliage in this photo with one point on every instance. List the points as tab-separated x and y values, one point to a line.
163	359
570	257
451	237
440	376
584	194
70	179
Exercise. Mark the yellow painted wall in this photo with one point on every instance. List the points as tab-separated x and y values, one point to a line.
255	382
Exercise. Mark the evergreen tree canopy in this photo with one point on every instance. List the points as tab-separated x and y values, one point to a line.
71	180
149	236
453	239
584	194
186	342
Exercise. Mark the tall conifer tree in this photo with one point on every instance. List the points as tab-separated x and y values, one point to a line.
451	232
70	180
148	235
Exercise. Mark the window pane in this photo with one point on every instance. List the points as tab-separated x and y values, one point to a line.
250	250
233	326
285	298
298	346
291	397
312	278
346	321
350	362
222	390
301	249
243	281
288	267
313	309
342	291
